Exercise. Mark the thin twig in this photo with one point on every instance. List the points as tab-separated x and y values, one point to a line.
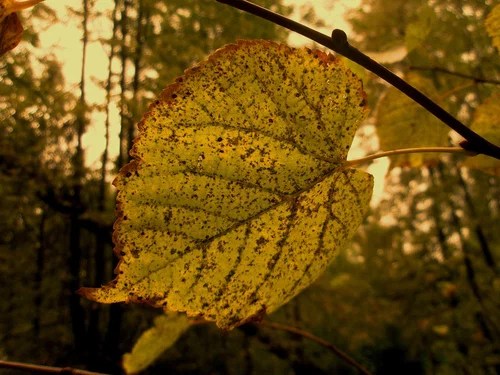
457	74
450	150
454	90
338	42
339	353
39	369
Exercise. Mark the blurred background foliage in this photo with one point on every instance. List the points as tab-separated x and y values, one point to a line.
418	290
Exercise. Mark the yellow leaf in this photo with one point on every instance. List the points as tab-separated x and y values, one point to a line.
486	124
153	342
441	329
237	198
492	24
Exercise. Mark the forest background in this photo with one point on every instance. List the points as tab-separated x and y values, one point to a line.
418	289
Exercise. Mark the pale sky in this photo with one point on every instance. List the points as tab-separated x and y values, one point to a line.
64	40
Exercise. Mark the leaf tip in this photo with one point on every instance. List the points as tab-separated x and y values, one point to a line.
87	292
106	294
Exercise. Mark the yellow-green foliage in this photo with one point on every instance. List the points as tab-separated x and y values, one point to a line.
486	124
418	31
153	342
237	198
493	25
402	123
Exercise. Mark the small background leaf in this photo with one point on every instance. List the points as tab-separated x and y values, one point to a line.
156	340
486	124
11	32
417	31
11	29
402	123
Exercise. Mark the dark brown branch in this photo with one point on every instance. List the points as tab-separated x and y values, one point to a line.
38	369
299	332
338	42
457	74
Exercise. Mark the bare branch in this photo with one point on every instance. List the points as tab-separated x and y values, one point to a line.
457	74
299	332
38	369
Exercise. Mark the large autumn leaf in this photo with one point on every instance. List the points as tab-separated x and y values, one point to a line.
237	197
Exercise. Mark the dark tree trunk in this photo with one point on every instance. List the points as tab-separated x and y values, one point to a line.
481	238
75	251
124	113
40	262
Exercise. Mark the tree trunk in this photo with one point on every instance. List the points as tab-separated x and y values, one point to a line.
40	262
123	151
112	338
75	251
481	238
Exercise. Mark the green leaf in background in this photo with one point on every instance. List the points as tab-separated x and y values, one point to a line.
154	341
493	25
238	198
402	123
417	31
486	124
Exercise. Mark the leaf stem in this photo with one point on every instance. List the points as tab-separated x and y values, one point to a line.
354	162
338	42
39	369
339	353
